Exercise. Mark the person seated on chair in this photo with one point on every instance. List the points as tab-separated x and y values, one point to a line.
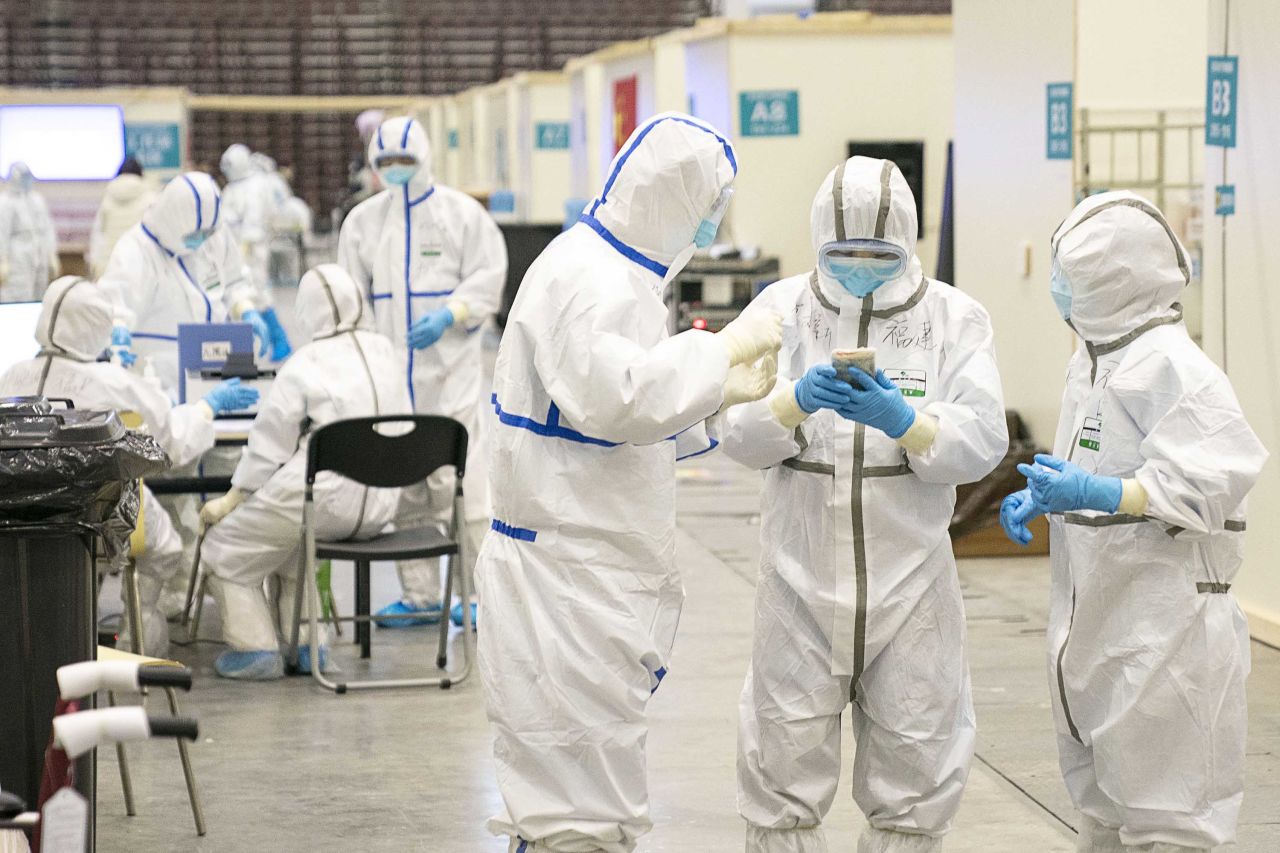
347	370
73	330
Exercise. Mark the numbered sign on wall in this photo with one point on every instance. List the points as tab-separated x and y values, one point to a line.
772	113
1058	121
551	134
1220	101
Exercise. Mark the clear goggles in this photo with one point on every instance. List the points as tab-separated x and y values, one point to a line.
385	160
880	258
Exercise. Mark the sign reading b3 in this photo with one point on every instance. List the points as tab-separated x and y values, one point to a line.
771	113
1058	120
1220	101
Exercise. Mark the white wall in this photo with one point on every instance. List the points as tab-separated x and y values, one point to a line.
1249	265
670	93
586	102
780	175
542	175
1007	194
449	169
640	66
1140	53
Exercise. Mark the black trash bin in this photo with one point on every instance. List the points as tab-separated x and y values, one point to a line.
68	491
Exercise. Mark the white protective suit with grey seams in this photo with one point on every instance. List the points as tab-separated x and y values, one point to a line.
156	282
1148	651
858	595
418	248
346	371
577	580
73	330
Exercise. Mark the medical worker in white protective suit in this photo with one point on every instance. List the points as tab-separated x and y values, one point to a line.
347	370
1148	651
434	263
858	605
249	206
578	586
28	242
73	330
177	266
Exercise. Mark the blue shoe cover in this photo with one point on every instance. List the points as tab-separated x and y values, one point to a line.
304	660
429	615
280	348
250	666
455	615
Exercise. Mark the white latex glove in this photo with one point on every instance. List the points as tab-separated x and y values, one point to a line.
218	508
752	335
749	382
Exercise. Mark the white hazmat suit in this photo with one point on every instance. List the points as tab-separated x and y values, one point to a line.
73	330
345	371
421	247
157	282
249	206
858	604
577	579
28	242
1148	651
124	202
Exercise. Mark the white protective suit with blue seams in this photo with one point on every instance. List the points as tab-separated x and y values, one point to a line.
593	402
419	248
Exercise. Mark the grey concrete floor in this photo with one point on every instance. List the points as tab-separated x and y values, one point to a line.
287	767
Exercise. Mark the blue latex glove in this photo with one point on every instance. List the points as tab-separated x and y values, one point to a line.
280	347
121	341
878	403
820	389
1015	511
1062	486
428	328
260	330
231	396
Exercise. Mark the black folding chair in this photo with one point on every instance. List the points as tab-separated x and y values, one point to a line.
368	451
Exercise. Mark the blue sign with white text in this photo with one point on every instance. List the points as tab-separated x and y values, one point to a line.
1220	101
453	139
551	134
1059	119
774	113
1224	200
155	145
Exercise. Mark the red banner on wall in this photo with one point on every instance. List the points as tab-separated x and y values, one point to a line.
624	111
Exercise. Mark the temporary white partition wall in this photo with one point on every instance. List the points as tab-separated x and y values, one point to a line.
448	154
156	120
430	111
493	147
595	117
540	159
1241	264
464	104
809	87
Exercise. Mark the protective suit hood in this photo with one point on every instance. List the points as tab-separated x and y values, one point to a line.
1123	263
75	319
237	162
126	187
189	202
867	198
406	136
20	178
329	301
660	186
263	163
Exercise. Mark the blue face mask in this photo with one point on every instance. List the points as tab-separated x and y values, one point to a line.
398	175
1060	290
195	239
